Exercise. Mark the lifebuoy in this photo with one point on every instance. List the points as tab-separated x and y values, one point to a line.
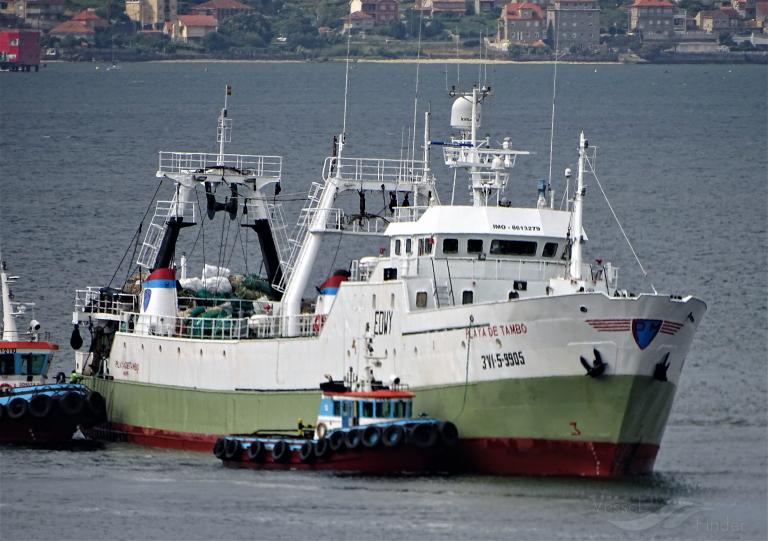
218	448
281	452
17	408
71	403
317	322
40	406
423	435
352	438
232	449
449	434
336	440
371	436
322	448
393	436
321	430
307	452
255	451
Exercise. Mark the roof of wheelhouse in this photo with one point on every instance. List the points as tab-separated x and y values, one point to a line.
499	221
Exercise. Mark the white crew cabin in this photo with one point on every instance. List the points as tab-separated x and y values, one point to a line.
455	255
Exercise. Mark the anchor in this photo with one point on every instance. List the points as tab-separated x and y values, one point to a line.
660	370
596	369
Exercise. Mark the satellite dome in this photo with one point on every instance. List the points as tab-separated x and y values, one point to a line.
461	113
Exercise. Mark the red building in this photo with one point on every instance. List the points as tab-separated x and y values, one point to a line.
19	50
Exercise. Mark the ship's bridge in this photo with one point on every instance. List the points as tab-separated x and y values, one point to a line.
466	231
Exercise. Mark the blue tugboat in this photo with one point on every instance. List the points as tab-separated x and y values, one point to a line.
33	411
362	426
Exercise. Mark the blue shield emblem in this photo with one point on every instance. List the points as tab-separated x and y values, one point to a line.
147	295
645	330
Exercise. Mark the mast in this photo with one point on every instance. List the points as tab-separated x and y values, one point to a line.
224	131
578	201
10	332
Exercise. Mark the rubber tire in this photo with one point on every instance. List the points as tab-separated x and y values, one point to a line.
72	403
97	406
281	452
371	436
40	406
322	448
449	434
218	448
336	440
353	438
423	435
393	436
255	451
17	408
232	449
307	452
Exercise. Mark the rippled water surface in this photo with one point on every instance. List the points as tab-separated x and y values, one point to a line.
681	153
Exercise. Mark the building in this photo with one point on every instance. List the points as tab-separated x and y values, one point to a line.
20	50
521	23
718	20
89	17
74	29
652	19
151	14
38	14
574	24
430	7
761	14
382	11
193	28
359	21
221	9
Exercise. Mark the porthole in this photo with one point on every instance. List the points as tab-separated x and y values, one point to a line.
583	309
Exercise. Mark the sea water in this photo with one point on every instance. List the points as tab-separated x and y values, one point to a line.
681	156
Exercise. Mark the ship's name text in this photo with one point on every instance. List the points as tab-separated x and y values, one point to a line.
382	322
126	366
492	331
497	360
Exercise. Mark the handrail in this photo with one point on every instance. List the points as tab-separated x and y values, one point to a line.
267	167
374	170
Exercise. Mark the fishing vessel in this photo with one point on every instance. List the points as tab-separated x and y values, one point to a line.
491	311
33	411
363	425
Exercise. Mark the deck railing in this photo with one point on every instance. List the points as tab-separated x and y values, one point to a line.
266	167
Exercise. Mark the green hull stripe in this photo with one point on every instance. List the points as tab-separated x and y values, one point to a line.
615	409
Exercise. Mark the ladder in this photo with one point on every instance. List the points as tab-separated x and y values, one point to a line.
290	254
164	211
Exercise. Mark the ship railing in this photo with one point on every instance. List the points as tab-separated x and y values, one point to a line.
489	268
265	167
104	300
211	328
336	220
408	214
374	170
465	156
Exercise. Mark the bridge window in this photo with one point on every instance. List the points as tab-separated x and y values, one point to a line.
550	249
421	299
408	246
450	246
513	295
367	409
35	363
467	296
385	409
399	408
513	247
336	408
397	247
7	364
474	246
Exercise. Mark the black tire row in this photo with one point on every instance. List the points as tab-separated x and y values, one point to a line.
420	435
41	406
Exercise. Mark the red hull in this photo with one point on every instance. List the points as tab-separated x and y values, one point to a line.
498	456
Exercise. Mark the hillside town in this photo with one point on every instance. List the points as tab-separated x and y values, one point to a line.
634	30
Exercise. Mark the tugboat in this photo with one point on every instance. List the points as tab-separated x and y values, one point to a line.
33	411
362	426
